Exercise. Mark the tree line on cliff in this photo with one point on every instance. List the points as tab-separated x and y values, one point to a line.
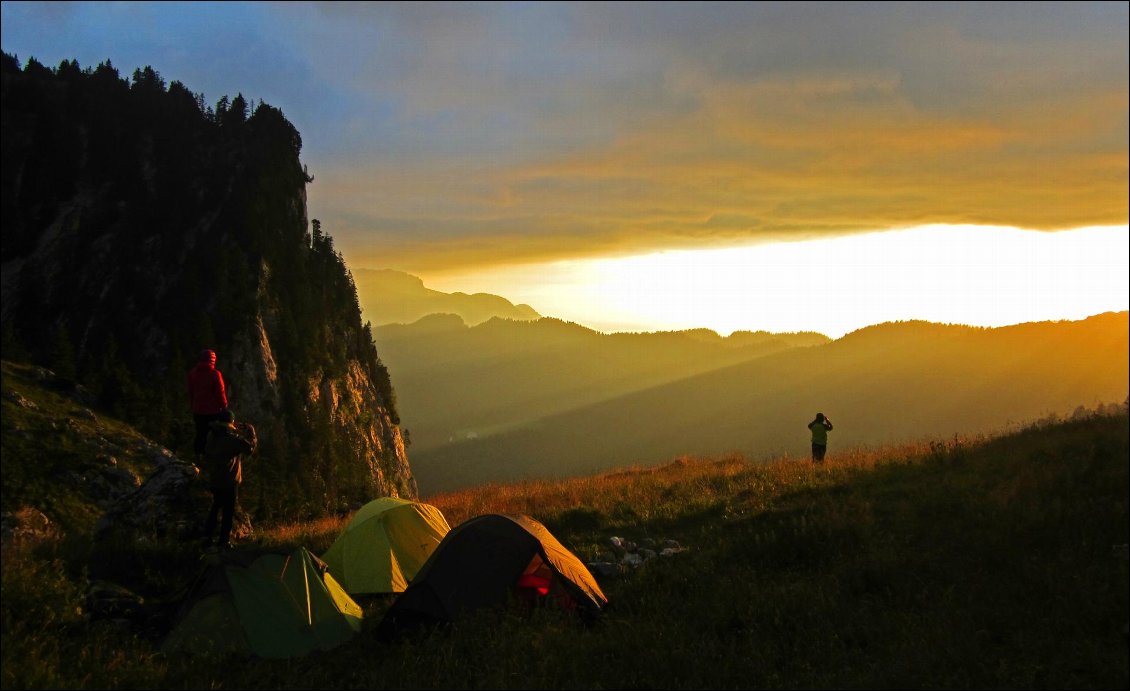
142	224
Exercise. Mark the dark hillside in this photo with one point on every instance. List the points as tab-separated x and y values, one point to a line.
142	225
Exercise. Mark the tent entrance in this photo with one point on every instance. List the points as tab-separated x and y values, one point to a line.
538	585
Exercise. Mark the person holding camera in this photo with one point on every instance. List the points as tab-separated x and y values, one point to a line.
224	452
819	428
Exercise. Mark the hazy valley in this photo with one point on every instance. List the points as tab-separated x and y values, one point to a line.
457	383
506	399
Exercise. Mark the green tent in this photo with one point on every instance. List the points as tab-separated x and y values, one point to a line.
273	606
385	544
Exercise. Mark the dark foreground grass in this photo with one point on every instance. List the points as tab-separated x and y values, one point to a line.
995	563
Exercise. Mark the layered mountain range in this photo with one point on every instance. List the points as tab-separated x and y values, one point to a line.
396	297
457	382
509	400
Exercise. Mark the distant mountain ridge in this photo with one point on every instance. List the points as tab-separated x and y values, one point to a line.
879	385
395	297
455	381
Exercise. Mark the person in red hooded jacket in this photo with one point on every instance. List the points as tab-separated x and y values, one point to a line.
208	398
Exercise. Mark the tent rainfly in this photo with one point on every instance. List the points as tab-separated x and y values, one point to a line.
384	545
486	561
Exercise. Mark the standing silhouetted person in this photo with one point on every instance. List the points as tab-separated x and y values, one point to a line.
820	428
208	398
227	444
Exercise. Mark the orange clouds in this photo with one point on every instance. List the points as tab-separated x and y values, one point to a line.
770	160
749	125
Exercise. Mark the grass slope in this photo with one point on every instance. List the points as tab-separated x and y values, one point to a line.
980	563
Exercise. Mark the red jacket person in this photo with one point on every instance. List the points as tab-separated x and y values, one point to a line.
207	397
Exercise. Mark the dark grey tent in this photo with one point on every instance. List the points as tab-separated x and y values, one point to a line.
485	562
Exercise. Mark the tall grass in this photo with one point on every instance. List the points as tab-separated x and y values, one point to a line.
966	563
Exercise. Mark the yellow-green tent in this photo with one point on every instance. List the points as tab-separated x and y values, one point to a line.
385	544
272	606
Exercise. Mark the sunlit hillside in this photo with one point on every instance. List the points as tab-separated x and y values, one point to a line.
884	384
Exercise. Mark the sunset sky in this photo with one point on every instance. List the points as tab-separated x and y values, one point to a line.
771	166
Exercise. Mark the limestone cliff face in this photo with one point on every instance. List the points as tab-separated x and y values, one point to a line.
368	438
141	227
353	407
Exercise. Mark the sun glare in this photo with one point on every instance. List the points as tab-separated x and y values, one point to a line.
984	276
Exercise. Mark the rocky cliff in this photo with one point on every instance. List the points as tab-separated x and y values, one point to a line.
140	226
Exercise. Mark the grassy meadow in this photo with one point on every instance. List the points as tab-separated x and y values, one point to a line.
995	562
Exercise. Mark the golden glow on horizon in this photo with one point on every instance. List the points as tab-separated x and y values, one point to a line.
983	276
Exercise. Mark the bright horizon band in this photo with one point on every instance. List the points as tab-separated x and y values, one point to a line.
981	276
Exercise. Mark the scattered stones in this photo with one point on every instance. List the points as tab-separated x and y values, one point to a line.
168	503
101	481
106	600
621	546
120	480
18	398
87	414
625	555
159	454
64	385
27	524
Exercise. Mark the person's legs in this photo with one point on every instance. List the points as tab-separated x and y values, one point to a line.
213	514
201	437
228	513
818	451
